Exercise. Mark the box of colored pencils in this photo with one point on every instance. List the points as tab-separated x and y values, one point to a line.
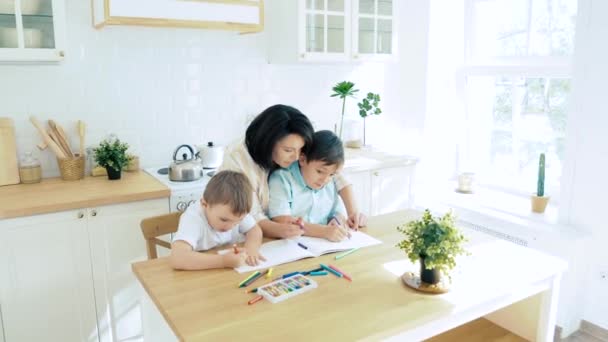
282	289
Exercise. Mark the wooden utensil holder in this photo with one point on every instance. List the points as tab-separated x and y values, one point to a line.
71	168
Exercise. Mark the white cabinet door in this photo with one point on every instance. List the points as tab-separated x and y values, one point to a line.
116	242
45	278
391	189
361	188
32	30
373	30
324	30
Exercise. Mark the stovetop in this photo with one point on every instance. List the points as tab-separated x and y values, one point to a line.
177	186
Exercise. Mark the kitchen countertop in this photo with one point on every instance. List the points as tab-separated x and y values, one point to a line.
54	194
365	159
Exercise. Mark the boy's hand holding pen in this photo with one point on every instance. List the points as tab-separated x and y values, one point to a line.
235	258
338	221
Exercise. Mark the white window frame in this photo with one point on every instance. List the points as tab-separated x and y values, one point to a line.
526	67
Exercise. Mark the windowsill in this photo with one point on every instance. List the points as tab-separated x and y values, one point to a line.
485	204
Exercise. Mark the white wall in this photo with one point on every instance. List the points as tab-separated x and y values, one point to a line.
157	88
589	150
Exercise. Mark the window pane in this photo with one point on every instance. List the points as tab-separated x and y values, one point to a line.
366	35
8	26
385	7
366	6
511	120
501	28
314	32
38	28
508	28
335	33
552	30
315	5
385	35
335	5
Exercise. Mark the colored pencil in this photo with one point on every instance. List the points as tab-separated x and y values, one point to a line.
247	279
331	270
269	273
302	245
342	255
255	300
318	273
236	250
346	276
256	277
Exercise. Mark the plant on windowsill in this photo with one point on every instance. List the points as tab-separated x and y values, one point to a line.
367	107
434	242
343	90
112	154
539	200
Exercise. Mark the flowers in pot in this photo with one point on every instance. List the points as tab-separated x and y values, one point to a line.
435	242
539	201
112	154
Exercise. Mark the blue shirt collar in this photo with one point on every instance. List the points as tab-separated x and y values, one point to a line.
295	171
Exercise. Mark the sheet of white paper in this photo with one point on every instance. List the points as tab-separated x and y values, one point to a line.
277	252
318	246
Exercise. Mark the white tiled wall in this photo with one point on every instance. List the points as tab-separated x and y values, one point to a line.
157	88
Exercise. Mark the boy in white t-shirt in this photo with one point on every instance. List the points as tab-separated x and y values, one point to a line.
221	218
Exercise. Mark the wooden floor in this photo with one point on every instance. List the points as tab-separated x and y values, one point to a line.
482	330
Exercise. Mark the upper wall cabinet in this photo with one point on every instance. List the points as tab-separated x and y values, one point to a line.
238	15
331	30
32	30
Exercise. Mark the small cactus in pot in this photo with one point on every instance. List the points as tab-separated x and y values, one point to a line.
539	201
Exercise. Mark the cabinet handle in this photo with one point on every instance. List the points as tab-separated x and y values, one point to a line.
80	214
93	212
61	53
376	173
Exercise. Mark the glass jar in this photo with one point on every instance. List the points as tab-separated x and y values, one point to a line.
29	169
352	136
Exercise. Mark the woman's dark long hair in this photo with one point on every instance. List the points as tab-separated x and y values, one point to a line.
272	125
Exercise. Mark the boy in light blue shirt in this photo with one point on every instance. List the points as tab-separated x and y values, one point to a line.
304	193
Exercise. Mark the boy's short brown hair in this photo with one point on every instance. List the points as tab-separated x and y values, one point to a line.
231	188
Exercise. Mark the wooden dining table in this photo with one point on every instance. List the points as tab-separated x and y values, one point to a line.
513	286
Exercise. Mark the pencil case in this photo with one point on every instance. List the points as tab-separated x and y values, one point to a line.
282	289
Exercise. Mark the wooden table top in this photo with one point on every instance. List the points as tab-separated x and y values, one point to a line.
207	305
54	194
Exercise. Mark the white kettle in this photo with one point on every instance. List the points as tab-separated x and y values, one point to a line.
211	155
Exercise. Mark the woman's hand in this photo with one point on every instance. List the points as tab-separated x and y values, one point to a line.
254	258
357	220
232	260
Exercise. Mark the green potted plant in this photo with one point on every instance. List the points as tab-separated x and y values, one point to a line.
112	154
539	200
434	242
343	90
367	107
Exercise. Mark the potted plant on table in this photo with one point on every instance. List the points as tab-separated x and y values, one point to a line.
343	90
434	242
539	201
112	154
367	107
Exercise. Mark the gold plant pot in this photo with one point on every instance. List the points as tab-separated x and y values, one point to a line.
539	203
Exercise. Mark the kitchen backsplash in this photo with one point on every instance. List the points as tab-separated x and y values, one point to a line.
157	88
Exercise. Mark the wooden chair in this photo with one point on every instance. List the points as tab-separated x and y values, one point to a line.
156	226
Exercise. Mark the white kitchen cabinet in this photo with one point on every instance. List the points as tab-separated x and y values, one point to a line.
67	276
116	241
391	189
46	290
382	190
32	30
242	15
331	30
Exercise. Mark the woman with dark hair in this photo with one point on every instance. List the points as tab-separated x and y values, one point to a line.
275	139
